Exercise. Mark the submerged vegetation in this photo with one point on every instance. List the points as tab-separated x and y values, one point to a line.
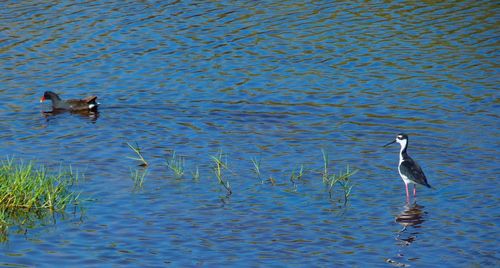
256	168
297	175
342	179
219	166
29	192
138	178
139	157
196	174
326	162
340	182
176	164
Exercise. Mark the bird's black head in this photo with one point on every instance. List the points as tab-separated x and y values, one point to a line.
401	138
49	95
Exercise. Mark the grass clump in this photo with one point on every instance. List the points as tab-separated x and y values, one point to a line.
176	164
139	157
341	179
28	191
138	177
297	175
219	166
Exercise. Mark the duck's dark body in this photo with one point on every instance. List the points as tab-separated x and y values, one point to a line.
86	104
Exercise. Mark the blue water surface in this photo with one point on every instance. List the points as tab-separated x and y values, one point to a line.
276	81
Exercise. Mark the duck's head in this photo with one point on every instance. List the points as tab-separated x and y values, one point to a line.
49	95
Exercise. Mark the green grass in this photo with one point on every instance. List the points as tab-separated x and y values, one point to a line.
28	191
256	169
340	182
342	179
138	178
176	164
297	175
325	166
139	157
196	174
220	164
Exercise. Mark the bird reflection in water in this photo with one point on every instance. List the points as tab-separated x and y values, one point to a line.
411	216
92	116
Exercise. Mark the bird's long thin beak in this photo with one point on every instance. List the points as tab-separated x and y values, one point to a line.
42	99
390	143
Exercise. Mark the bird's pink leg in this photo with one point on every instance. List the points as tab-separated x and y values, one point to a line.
414	191
407	194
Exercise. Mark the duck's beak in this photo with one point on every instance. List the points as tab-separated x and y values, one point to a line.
42	99
390	143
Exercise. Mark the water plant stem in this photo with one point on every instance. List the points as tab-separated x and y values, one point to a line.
176	164
138	177
256	168
297	176
219	166
140	158
196	174
342	179
325	166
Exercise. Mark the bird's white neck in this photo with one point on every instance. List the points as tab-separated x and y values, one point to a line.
402	152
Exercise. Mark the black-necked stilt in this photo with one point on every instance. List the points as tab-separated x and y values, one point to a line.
409	170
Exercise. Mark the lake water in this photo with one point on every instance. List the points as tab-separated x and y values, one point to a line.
275	81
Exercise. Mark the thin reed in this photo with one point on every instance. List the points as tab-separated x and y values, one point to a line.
256	169
196	174
220	164
297	175
139	157
326	162
138	177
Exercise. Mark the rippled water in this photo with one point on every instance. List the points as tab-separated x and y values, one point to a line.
266	80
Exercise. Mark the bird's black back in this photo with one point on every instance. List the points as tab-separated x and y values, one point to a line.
413	171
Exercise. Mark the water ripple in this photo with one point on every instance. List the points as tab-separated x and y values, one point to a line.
273	80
